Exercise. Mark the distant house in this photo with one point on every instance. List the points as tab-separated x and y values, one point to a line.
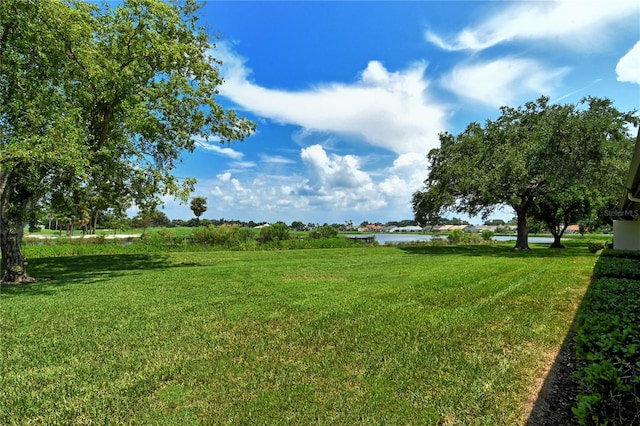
406	229
480	228
447	228
370	228
572	229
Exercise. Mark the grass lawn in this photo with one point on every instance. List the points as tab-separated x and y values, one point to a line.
430	335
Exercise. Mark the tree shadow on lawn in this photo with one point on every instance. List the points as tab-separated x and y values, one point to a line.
500	250
559	391
53	272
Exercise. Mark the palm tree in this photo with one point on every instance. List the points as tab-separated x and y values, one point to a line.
198	206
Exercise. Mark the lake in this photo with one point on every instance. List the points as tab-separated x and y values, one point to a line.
405	238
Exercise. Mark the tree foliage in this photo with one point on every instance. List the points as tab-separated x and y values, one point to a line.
198	207
530	156
100	103
278	231
325	231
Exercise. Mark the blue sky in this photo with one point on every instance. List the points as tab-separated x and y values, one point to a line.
349	97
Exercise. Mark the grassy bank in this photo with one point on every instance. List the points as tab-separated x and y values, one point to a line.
449	335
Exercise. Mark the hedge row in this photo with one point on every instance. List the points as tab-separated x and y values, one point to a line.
608	343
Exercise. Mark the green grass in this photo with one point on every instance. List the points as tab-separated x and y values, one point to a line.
429	335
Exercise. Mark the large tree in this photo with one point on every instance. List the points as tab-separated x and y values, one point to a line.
586	184
528	156
40	135
100	102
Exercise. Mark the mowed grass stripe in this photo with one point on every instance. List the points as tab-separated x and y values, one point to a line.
332	336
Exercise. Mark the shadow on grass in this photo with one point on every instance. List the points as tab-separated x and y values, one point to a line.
499	250
86	269
559	392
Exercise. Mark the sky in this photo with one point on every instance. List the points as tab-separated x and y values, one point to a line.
350	96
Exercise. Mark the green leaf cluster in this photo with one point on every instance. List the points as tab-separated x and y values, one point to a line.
225	236
274	233
608	343
324	231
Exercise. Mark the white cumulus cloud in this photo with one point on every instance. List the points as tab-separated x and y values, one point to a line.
335	172
392	110
628	68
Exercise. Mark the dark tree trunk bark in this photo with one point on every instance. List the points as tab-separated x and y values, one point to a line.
14	267
556	242
94	225
522	210
522	240
557	231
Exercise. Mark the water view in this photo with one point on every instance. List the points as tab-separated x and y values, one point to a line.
405	238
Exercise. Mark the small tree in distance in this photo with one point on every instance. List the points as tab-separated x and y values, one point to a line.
198	206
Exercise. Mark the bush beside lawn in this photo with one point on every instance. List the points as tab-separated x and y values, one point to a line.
608	343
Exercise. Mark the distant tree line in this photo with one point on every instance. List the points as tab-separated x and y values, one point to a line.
158	219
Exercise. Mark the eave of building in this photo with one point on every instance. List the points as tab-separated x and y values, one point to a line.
631	195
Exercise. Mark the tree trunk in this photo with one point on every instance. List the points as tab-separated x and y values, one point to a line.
522	240
14	268
557	232
94	225
522	211
556	242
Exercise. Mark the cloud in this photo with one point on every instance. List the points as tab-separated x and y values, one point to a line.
243	164
218	148
391	110
337	185
276	159
403	178
628	68
503	81
224	177
577	24
335	172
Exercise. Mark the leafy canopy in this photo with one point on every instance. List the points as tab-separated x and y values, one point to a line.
98	103
527	157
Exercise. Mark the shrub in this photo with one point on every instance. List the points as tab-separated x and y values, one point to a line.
246	234
608	344
487	235
472	239
617	267
438	241
455	236
152	239
201	236
167	235
225	236
325	231
627	254
596	246
276	232
312	243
